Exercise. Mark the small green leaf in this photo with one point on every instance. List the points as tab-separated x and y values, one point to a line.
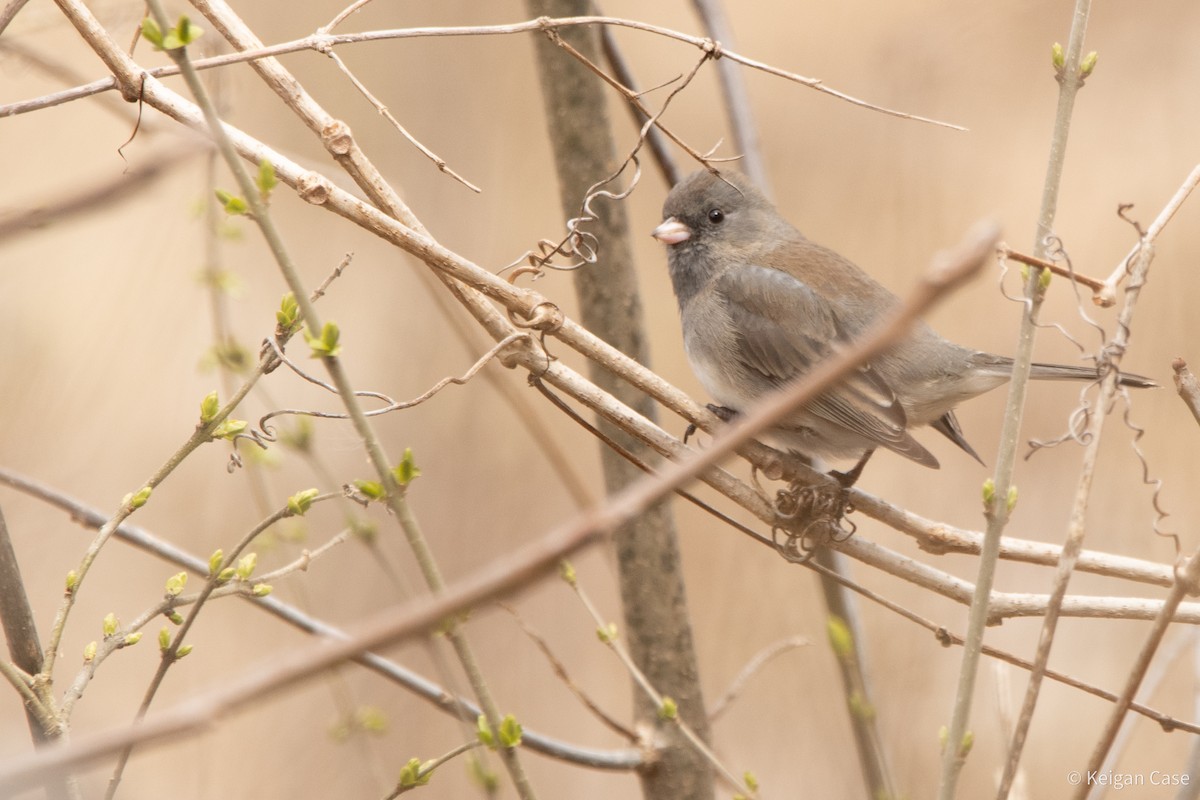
1044	279
175	617
152	33
226	575
215	561
412	774
371	719
132	639
209	407
326	344
265	180
246	565
186	32
372	490
233	205
566	571
89	653
750	780
183	651
175	584
1012	498
484	732
229	428
1058	56
110	624
72	581
137	499
840	637
300	502
288	315
406	471
262	589
1088	64
607	633
968	741
669	709
989	492
510	731
164	639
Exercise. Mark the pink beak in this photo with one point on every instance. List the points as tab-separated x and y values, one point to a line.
672	231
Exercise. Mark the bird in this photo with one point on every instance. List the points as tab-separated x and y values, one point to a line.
760	304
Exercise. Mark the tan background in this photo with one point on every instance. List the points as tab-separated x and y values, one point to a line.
105	325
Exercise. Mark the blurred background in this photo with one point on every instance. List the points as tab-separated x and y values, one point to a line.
108	335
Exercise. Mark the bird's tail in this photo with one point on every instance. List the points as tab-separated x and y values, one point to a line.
1063	372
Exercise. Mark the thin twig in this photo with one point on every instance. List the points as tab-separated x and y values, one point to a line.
760	659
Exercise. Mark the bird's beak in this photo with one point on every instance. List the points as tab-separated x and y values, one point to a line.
672	231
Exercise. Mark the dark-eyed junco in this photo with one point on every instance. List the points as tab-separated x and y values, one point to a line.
761	304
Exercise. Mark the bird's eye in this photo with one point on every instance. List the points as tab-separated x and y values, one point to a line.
716	216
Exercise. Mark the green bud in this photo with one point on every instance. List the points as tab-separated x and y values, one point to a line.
110	624
152	33
1058	56
1012	498
138	498
372	490
288	315
164	639
840	637
182	651
234	206
132	639
300	502
371	719
406	471
246	565
262	589
964	747
860	706
175	584
1088	64
989	492
483	732
226	575
175	617
325	344
567	571
72	581
209	407
412	774
89	653
669	709
510	731
265	180
1044	279
750	780
215	561
943	737
607	633
229	428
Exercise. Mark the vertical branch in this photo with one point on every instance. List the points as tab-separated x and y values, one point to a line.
737	101
998	507
652	590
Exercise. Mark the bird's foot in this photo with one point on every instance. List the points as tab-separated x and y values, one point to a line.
721	412
850	477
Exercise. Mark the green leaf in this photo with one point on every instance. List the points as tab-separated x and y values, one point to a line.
262	589
484	732
175	617
406	471
1058	56
414	773
186	32
300	502
840	637
229	428
89	653
152	33
132	639
510	731
266	180
669	709
372	490
209	407
175	584
326	344
110	624
288	315
215	561
233	205
246	565
137	499
182	651
164	639
1088	64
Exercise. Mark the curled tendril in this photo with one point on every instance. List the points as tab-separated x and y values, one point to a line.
809	517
